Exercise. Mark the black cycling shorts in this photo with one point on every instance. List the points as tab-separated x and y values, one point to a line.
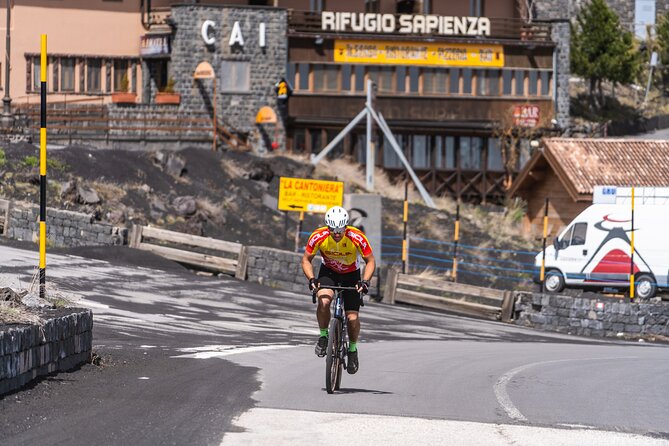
351	297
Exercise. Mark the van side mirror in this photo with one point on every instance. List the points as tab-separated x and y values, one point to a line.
556	244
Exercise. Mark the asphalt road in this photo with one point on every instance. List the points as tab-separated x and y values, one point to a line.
203	360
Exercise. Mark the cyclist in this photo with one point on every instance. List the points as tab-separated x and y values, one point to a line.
339	245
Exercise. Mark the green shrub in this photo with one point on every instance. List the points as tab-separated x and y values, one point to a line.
30	161
56	165
3	158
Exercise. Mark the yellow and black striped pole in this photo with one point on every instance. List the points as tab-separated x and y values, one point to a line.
632	252
456	238
404	219
543	255
42	173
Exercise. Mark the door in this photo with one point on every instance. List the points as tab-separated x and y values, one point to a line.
571	252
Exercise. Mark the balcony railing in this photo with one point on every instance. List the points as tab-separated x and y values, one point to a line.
500	28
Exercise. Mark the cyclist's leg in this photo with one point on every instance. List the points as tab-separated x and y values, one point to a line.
352	304
325	277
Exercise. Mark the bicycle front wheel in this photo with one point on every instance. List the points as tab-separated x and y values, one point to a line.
333	366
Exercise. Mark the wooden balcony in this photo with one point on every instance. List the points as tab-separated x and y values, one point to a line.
410	111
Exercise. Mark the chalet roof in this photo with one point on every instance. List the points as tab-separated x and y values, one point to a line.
582	164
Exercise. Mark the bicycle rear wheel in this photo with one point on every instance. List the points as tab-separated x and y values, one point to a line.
333	366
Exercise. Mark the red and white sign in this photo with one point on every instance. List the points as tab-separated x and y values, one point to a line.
526	116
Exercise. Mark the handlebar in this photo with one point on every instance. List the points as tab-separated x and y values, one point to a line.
336	288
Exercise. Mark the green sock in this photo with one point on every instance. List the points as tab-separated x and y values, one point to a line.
324	331
353	347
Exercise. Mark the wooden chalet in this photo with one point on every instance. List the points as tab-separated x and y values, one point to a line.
565	171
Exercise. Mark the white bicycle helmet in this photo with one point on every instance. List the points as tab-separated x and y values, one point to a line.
336	217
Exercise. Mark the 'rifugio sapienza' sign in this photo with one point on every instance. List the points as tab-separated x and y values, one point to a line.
404	24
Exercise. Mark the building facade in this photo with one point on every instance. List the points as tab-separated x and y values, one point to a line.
451	78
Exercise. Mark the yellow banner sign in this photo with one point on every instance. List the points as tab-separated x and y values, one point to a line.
300	194
408	53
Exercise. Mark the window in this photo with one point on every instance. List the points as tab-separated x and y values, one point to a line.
93	71
390	158
401	78
434	81
414	78
578	237
420	155
316	140
325	77
454	81
67	74
359	78
533	83
546	83
507	78
382	77
470	153
299	141
235	76
37	74
304	76
337	150
405	6
346	78
317	5
371	5
444	152
495	161
487	82
121	72
520	82
467	81
575	235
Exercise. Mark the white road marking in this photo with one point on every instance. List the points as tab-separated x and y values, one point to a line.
272	427
503	396
220	351
143	377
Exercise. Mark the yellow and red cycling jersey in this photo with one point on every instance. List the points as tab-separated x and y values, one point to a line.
341	257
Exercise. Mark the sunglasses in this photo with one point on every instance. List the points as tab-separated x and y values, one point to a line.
337	231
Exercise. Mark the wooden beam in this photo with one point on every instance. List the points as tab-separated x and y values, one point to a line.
192	258
191	240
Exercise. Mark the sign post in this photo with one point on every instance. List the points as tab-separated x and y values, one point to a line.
305	195
204	70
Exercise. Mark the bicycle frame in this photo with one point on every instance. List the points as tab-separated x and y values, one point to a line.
337	340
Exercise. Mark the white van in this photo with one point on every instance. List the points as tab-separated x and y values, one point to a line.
593	251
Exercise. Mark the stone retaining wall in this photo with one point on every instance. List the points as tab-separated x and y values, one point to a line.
283	269
276	268
31	351
600	317
63	228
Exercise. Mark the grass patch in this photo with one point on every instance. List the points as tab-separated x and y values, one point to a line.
3	158
57	165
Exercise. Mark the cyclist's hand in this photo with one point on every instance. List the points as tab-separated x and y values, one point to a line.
313	284
363	286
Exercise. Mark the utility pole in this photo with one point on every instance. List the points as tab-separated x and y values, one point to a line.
371	135
7	118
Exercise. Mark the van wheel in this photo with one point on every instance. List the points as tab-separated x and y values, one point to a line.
644	287
554	282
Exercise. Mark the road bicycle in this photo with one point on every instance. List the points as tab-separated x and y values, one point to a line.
337	351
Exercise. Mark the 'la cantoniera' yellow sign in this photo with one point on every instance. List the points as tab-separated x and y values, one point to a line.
300	194
408	53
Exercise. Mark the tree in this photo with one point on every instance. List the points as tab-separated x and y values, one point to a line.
601	49
662	36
